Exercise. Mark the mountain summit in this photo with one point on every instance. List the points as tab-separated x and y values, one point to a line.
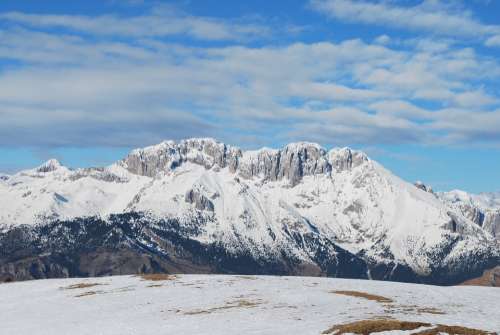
292	162
199	205
49	166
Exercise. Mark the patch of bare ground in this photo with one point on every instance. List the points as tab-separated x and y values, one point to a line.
374	326
490	277
389	306
80	285
454	330
366	327
157	276
364	295
240	303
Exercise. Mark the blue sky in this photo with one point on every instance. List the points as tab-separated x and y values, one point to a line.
415	84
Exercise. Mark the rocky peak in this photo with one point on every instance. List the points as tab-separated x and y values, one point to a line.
302	159
209	152
264	162
49	166
168	155
343	159
292	162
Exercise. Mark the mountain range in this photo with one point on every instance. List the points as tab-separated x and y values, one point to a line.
201	206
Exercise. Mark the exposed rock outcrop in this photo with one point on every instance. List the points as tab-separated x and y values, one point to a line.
423	187
99	174
168	155
345	159
491	222
293	162
200	201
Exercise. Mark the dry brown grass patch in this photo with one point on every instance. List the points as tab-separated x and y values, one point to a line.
366	327
157	276
80	285
373	326
455	330
364	295
489	277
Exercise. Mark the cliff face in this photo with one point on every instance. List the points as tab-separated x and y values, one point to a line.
292	162
168	155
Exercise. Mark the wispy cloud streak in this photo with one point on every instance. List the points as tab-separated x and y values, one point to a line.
429	16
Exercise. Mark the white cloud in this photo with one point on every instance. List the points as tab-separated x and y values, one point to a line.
158	23
401	108
464	126
76	89
331	92
431	16
474	99
493	41
383	40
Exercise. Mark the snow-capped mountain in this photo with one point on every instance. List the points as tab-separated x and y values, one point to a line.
199	205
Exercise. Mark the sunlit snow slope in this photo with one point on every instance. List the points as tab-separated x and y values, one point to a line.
215	304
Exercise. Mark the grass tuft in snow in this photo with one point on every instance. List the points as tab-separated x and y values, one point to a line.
366	327
157	277
364	295
453	330
373	326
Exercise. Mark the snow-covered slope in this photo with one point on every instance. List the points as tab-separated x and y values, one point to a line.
214	304
301	200
53	191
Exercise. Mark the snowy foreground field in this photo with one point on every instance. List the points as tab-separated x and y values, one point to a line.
217	304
